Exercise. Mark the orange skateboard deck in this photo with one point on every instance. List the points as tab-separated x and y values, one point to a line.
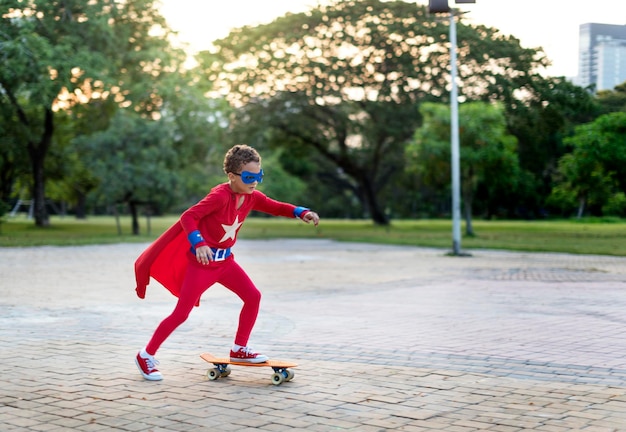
222	368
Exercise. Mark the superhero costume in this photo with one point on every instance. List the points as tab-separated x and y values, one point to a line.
214	222
165	259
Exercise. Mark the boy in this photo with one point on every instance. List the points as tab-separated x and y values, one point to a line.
195	253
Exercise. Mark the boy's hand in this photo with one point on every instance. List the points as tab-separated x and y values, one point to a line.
204	254
311	216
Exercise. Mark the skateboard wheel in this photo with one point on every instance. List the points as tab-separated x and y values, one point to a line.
226	372
213	374
290	375
277	378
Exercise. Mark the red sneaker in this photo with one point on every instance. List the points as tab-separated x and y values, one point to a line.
146	364
247	355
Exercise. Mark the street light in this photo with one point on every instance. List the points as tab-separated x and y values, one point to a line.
441	6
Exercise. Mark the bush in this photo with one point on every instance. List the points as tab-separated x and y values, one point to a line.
615	206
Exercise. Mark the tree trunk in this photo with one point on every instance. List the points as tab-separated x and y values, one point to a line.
7	178
468	185
40	212
117	220
132	206
148	221
81	206
467	206
38	154
581	207
371	201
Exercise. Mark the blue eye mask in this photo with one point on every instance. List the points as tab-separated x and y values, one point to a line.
248	178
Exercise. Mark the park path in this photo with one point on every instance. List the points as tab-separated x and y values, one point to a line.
387	338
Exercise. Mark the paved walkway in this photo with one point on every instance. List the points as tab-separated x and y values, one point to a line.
387	339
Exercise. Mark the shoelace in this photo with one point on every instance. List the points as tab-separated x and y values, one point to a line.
151	362
247	350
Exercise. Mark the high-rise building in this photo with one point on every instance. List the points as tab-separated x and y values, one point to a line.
602	55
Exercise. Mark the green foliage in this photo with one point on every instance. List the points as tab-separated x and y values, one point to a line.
615	205
278	183
14	163
199	126
58	55
133	160
548	111
563	198
488	157
331	97
595	171
613	100
346	80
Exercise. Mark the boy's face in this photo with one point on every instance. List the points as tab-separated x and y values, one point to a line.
238	185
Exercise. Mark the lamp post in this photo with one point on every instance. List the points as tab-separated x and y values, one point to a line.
455	162
441	6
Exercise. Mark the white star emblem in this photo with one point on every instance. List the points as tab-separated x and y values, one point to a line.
230	231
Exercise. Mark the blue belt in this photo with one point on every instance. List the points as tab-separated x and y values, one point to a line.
218	254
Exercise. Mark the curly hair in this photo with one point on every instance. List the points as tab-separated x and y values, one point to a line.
238	156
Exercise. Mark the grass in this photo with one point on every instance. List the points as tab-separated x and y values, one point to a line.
569	236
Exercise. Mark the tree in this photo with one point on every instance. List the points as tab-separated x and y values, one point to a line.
487	152
13	158
595	170
551	109
135	163
346	80
199	126
57	54
69	177
580	180
613	100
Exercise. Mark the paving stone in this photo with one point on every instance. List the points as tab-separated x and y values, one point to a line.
386	338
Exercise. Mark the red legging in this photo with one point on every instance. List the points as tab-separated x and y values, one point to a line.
197	280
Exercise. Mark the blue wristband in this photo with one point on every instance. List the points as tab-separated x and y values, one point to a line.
299	210
195	237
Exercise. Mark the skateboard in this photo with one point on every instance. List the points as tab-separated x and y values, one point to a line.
222	368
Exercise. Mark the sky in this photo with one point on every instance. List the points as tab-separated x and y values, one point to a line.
550	24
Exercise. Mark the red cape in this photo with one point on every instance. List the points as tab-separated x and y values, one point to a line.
165	260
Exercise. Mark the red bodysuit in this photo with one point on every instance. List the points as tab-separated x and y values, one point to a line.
171	259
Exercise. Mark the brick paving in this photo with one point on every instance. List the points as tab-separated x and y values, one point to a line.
387	339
